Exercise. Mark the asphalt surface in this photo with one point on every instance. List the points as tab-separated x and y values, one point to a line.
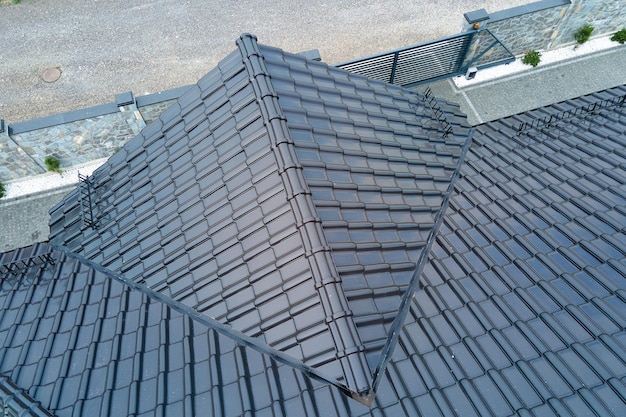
105	47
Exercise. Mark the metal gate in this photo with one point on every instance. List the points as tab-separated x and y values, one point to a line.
434	60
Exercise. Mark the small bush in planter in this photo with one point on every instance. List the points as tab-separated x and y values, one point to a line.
619	36
52	164
532	58
583	34
2	190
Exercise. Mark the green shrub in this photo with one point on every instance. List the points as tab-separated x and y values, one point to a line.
52	164
619	36
2	190
583	34
532	58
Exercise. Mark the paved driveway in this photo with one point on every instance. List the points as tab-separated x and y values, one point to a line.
104	47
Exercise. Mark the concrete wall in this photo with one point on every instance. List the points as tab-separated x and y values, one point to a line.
549	24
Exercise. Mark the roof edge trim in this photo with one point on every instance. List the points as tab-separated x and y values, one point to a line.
224	329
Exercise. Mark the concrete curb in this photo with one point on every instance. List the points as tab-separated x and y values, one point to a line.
48	183
563	56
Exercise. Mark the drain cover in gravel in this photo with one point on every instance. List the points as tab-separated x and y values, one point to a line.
51	75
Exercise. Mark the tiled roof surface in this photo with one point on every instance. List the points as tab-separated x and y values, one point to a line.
194	208
523	303
281	196
521	307
14	401
84	343
378	166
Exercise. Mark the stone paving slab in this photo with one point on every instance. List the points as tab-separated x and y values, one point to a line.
25	221
15	163
152	112
79	142
133	117
491	100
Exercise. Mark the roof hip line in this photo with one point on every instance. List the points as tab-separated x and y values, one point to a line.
325	275
15	400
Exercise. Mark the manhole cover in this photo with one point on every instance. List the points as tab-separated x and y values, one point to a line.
51	75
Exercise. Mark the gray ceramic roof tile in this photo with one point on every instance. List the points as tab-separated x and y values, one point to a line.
481	392
217	205
519	309
549	303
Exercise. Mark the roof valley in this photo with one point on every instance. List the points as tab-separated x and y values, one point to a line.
407	298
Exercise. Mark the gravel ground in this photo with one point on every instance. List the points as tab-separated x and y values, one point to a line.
104	47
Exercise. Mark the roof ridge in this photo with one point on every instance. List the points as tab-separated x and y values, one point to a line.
327	280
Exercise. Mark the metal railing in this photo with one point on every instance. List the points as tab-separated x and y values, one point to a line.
20	265
434	60
592	108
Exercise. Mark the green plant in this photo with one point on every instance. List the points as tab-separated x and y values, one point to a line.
583	34
532	58
52	164
619	36
2	190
